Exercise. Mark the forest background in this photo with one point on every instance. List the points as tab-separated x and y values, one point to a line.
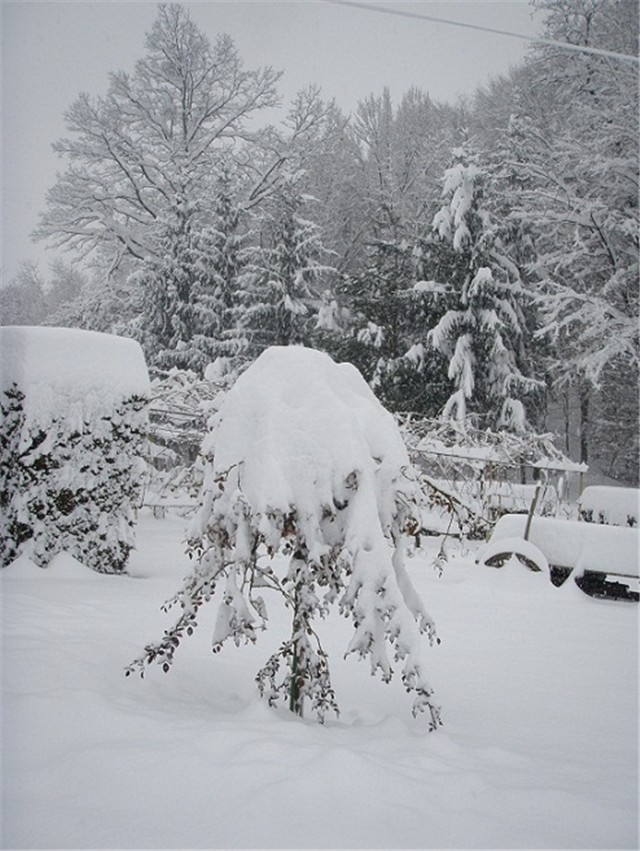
476	260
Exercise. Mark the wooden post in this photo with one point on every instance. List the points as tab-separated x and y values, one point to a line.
532	509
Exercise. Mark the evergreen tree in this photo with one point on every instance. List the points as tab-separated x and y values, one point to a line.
387	319
193	293
481	330
284	275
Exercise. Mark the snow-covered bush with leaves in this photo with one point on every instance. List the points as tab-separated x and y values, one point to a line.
308	492
73	424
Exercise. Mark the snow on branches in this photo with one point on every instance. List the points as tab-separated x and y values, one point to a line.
482	332
73	406
307	492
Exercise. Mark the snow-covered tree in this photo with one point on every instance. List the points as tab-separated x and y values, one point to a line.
73	422
575	146
140	158
192	314
481	331
319	141
308	492
143	164
63	288
22	300
285	273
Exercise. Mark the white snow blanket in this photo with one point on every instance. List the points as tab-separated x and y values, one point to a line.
571	543
293	431
539	747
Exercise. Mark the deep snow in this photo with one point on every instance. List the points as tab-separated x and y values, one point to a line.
539	687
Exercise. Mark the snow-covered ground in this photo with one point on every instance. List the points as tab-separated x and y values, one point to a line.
539	749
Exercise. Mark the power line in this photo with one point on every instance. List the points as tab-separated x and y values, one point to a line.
564	45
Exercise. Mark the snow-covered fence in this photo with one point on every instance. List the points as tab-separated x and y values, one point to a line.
180	406
478	475
74	420
611	505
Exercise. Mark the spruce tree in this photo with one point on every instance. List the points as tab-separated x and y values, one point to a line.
481	330
285	274
388	318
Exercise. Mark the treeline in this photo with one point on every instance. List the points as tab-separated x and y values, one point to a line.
474	260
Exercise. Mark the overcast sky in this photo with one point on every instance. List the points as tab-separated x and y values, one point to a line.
51	51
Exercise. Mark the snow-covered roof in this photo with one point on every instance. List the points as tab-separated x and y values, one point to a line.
68	372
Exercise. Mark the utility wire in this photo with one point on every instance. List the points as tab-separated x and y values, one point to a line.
564	45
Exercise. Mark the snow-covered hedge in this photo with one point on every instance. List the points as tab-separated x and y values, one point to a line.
73	421
305	463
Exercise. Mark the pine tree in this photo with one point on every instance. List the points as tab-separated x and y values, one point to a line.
285	275
481	330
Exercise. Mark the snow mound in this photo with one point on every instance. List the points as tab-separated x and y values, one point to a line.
65	566
62	566
66	372
22	568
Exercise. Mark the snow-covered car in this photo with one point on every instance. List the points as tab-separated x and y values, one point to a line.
603	559
611	505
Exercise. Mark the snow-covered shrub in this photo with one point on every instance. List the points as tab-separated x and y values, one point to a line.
73	406
308	492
